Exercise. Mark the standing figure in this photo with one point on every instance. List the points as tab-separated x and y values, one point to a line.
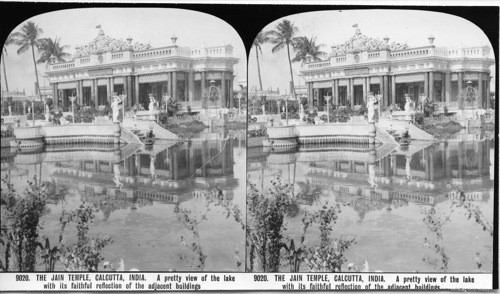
371	105
47	112
263	108
152	103
115	106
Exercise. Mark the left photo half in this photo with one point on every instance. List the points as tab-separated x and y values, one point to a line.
123	142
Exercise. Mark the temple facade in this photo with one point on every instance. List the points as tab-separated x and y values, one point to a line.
363	64
107	65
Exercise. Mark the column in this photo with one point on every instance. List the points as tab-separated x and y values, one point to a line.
186	87
112	87
191	86
480	89
460	159
310	92
488	91
80	89
351	91
108	91
393	89
94	91
386	90
169	77
431	85
460	82
230	89
223	101
365	89
136	98
55	99
174	85
447	86
426	84
384	98
334	93
203	86
130	98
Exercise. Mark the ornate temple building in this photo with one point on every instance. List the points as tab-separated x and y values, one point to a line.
363	64
108	65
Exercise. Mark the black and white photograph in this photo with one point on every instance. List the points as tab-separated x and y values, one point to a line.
371	145
123	142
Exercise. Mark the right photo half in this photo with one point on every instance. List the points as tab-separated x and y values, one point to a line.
371	144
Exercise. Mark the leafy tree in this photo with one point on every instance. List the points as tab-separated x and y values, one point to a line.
283	36
8	42
29	37
49	48
306	48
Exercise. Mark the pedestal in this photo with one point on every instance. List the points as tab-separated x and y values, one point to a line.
116	133
371	132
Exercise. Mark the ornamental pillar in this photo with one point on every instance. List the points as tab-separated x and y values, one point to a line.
488	91
137	100
112	87
460	86
393	89
230	89
191	86
203	86
431	85
480	89
108	91
174	85
447	82
351	91
54	95
365	89
95	92
128	87
223	101
426	84
386	90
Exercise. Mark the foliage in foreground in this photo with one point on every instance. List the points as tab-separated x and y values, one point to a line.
267	246
20	232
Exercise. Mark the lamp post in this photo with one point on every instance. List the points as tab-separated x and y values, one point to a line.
33	109
328	97
73	98
239	96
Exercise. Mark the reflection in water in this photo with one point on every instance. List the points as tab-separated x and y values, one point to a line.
385	194
139	194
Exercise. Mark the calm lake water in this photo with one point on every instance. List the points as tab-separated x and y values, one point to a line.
385	194
139	193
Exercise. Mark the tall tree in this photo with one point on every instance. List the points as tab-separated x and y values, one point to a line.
28	37
283	36
8	42
257	42
306	48
49	48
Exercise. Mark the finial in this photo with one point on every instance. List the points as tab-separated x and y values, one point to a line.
174	39
431	39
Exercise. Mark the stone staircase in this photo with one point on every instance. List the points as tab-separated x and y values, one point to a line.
129	137
399	126
384	137
144	126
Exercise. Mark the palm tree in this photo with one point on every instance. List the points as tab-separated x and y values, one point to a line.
306	48
28	37
8	42
257	42
281	36
51	48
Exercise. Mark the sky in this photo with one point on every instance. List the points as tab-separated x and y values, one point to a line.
155	26
335	27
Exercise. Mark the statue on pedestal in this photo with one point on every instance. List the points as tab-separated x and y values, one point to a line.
409	105
302	112
115	106
263	106
116	179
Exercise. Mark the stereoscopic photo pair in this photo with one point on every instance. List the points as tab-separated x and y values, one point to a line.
160	139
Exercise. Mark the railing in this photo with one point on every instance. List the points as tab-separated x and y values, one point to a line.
469	52
374	55
193	104
341	59
63	65
281	132
85	60
161	52
316	65
410	53
115	56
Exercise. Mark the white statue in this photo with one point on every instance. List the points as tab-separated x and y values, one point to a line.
152	102
283	108
10	110
422	99
371	105
372	175
279	103
301	112
116	179
408	168
166	98
47	112
152	167
409	107
115	106
263	106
